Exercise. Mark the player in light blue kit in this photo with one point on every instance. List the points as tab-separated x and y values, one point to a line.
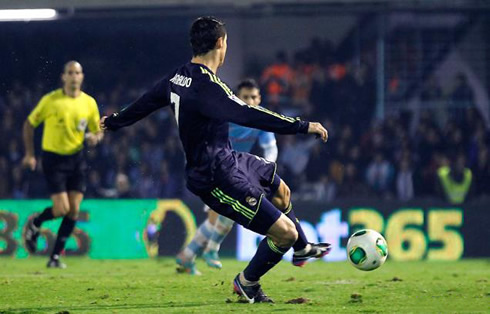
215	228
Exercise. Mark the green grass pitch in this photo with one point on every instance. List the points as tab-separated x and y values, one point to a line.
152	286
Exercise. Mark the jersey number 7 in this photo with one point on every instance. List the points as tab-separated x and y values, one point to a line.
175	100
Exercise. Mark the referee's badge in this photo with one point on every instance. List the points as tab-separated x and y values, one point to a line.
252	201
82	125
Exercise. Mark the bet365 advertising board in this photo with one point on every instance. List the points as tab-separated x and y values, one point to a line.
124	229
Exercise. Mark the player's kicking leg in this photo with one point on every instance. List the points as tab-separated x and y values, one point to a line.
303	250
186	258
281	200
280	236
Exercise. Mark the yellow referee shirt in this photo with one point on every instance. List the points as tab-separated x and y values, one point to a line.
65	120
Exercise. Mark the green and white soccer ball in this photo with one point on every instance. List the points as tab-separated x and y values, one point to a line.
367	249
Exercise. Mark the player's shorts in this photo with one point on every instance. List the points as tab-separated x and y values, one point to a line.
240	194
64	173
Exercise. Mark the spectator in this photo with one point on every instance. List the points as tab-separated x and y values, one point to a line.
19	185
123	187
301	83
148	186
404	181
294	156
379	175
455	181
276	80
94	188
316	175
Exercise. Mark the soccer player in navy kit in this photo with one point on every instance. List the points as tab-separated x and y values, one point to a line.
240	186
212	231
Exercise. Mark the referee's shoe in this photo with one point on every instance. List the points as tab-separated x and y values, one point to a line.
54	262
31	234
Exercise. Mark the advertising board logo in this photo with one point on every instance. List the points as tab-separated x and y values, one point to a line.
158	216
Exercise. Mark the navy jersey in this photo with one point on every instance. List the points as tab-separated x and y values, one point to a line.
203	105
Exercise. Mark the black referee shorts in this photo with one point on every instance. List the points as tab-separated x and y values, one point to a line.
64	173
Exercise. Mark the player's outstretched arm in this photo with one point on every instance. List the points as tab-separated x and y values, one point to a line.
218	103
152	100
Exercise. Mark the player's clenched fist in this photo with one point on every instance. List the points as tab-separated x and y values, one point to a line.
317	128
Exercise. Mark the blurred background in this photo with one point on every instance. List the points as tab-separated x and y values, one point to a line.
402	86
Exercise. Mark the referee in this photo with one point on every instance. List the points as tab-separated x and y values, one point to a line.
66	113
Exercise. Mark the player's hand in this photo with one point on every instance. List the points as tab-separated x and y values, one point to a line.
319	130
92	139
29	162
102	123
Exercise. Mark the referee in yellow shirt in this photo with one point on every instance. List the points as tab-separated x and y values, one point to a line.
66	113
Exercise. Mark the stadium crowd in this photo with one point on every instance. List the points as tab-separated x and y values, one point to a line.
393	158
403	156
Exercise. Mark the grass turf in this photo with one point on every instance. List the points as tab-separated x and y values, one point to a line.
152	286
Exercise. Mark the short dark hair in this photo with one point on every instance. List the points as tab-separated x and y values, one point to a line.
204	33
247	83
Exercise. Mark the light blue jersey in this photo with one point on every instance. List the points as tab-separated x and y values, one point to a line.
243	139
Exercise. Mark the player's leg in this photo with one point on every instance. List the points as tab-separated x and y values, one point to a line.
56	183
303	250
66	228
221	228
74	168
280	237
59	208
186	258
282	200
263	173
240	200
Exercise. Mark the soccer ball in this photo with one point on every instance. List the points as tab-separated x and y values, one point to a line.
367	249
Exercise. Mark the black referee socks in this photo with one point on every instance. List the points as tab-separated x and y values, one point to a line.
46	215
66	228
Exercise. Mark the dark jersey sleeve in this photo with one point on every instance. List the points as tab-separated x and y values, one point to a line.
219	103
153	99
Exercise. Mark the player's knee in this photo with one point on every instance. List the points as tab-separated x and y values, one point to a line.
73	210
289	234
60	209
